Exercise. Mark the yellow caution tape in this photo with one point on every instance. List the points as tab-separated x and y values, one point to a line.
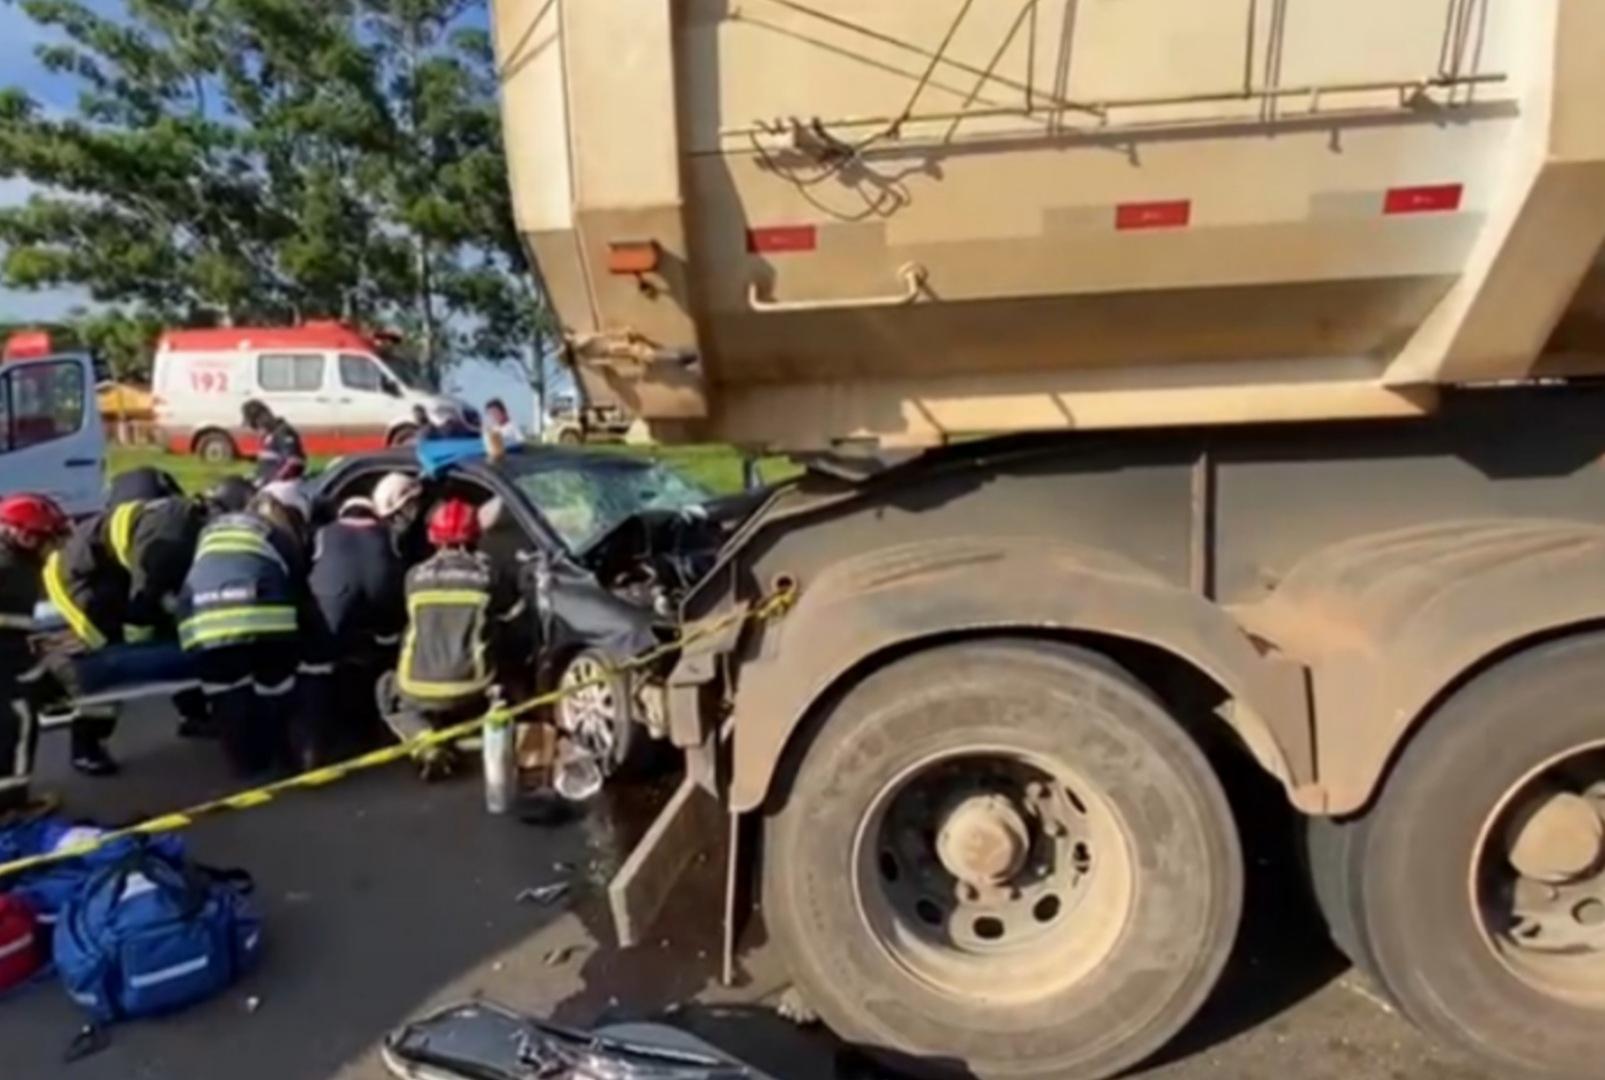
770	609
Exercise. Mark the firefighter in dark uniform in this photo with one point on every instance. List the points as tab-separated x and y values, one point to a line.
445	673
30	525
117	581
242	608
281	456
356	585
144	484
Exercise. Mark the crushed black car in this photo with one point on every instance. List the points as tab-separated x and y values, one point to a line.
601	545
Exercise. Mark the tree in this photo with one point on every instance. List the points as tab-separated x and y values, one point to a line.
275	160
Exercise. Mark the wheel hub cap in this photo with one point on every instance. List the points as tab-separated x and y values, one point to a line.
983	841
1557	840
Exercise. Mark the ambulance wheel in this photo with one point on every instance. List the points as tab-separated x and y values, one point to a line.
216	448
1004	860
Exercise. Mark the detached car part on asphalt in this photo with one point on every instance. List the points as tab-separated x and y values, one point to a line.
482	1041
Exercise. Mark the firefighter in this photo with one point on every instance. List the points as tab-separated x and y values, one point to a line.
356	585
116	581
144	484
399	500
445	673
243	604
30	526
281	456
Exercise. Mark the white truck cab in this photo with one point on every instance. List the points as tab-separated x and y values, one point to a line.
51	438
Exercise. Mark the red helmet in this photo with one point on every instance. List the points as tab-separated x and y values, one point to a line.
36	518
454	523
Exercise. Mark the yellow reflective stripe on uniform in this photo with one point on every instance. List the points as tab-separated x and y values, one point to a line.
438	690
77	619
422	688
235	547
228	624
426	597
138	635
122	532
241	612
16	622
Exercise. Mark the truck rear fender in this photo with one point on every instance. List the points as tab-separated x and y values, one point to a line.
860	612
1390	624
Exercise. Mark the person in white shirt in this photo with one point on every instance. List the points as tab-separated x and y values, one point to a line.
498	421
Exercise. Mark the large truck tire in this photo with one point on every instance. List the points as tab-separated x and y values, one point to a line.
1332	854
1479	887
1006	859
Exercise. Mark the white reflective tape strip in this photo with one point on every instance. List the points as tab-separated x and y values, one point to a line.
169	973
22	753
46	918
12	948
223	688
317	669
285	687
136	885
91	1001
33	674
16	622
9	782
253	941
387	639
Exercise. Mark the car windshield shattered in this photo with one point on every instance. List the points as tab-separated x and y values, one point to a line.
585	497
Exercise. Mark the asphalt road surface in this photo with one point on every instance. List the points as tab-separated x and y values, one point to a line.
384	897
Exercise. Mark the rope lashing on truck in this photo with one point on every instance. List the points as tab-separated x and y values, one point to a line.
769	609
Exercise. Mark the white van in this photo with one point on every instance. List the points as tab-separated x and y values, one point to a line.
325	378
51	439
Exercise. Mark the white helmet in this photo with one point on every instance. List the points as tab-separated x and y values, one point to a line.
395	493
290	494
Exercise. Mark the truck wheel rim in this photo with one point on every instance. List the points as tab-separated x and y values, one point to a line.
993	872
1537	880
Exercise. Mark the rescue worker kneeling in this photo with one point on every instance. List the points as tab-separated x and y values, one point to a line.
446	674
243	605
357	587
117	581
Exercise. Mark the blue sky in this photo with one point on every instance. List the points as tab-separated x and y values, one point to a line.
19	37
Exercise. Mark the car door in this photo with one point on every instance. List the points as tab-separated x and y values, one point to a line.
297	386
51	439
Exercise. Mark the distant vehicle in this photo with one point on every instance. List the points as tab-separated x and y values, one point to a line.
569	423
325	378
51	440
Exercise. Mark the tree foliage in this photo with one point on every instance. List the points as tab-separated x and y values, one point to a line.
234	161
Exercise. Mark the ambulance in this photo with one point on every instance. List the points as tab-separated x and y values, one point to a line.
327	379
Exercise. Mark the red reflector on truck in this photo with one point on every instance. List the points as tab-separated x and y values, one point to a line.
781	239
1435	198
1174	214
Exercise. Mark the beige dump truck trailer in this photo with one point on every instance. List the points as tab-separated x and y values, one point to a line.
1184	381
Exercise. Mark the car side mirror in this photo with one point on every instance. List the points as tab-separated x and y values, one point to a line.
389	386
